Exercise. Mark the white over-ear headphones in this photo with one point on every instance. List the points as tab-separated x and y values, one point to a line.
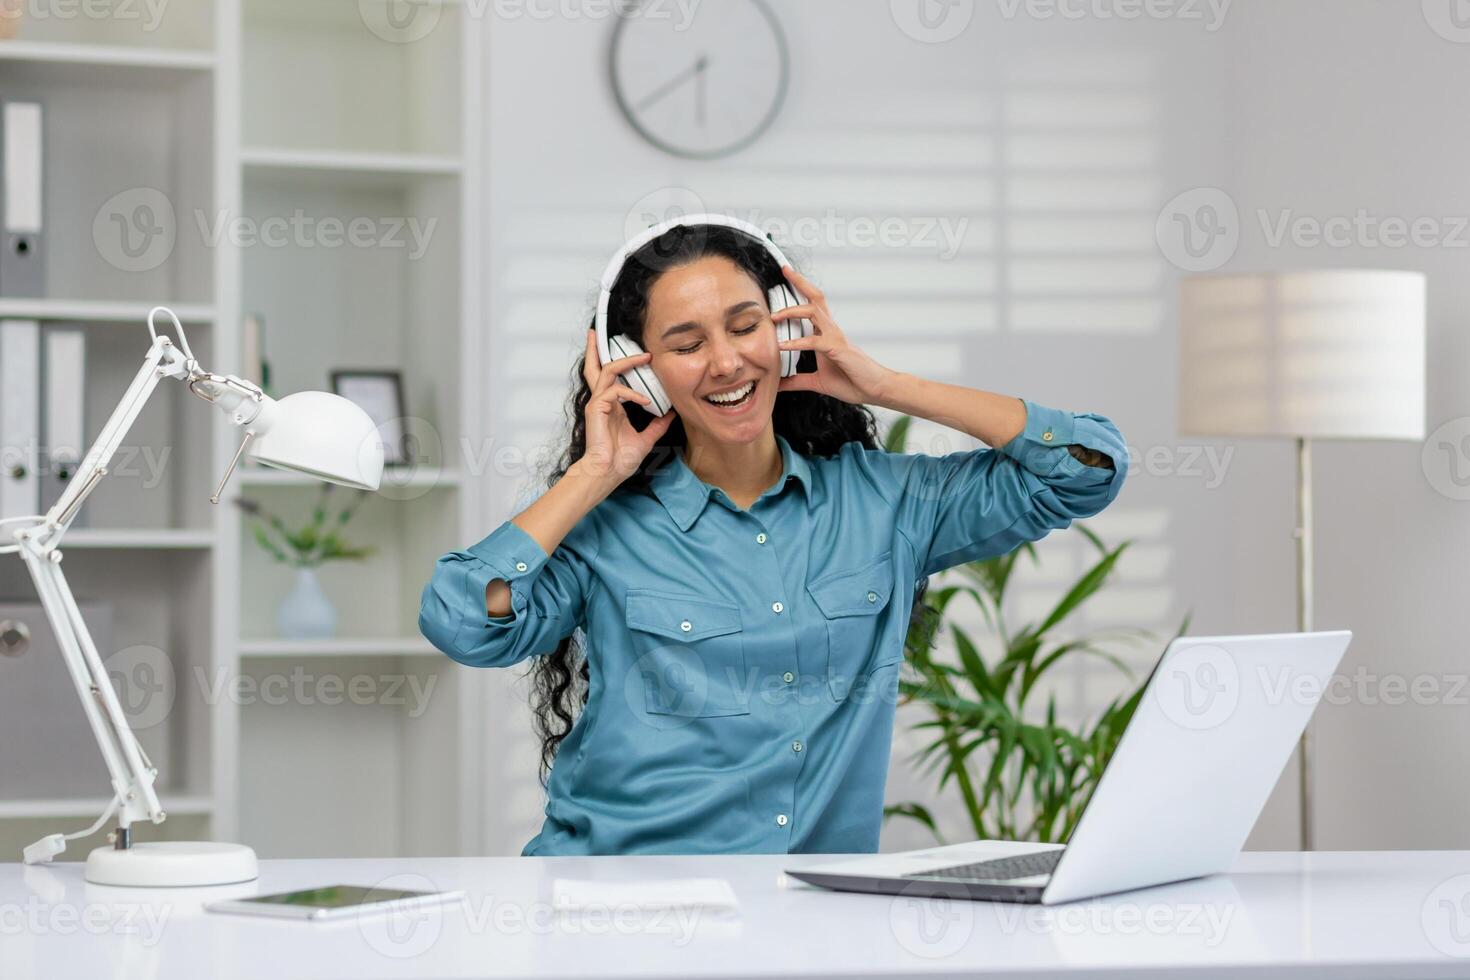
642	379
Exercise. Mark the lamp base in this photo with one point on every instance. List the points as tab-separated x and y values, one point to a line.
172	864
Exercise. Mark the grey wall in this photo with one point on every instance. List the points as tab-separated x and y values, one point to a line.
1054	142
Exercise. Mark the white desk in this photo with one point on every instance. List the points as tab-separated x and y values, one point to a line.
1330	915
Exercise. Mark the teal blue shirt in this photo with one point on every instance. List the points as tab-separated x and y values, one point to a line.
744	663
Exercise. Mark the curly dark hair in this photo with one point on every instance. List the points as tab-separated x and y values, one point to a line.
814	424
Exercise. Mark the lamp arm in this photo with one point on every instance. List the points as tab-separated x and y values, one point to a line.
164	360
131	771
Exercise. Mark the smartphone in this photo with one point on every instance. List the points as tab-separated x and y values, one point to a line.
333	902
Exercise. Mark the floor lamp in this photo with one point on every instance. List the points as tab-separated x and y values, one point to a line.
1333	354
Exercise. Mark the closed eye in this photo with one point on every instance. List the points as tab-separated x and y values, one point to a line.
739	333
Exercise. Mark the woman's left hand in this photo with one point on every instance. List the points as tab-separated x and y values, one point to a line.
843	370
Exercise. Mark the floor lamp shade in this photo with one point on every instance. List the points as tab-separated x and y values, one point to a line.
1335	354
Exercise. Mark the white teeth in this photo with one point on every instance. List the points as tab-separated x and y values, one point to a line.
732	397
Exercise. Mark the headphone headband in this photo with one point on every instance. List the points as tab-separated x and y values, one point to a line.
615	267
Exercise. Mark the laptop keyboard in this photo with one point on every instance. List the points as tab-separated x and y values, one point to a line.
999	869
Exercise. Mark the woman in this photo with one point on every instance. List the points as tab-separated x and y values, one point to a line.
744	574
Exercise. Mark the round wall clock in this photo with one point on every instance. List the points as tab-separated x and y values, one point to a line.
703	84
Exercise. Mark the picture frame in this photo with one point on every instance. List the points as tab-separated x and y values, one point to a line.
380	394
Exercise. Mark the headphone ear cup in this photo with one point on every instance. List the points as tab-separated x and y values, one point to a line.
780	298
640	379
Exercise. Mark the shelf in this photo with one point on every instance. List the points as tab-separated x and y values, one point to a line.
422	3
347	15
105	56
50	60
161	539
392	478
345	168
93	807
98	311
366	647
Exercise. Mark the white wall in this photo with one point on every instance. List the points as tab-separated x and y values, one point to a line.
1056	141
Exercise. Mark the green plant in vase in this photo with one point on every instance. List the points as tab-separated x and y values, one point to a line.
306	612
1020	773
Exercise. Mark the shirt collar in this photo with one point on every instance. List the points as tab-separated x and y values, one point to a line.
685	495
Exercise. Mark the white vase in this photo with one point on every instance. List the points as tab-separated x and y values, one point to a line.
306	613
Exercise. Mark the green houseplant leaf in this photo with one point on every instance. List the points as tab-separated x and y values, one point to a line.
1018	776
314	543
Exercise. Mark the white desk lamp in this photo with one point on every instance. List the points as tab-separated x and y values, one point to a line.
1334	354
312	432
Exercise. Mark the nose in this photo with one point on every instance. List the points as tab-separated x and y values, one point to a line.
724	358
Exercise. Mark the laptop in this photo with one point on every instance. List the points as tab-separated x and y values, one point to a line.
1218	720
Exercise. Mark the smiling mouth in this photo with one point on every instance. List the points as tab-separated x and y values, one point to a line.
745	394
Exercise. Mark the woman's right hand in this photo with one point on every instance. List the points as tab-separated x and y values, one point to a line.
614	448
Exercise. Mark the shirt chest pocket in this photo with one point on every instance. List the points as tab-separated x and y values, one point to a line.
690	654
851	602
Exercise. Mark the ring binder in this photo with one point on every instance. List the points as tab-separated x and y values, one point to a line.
21	220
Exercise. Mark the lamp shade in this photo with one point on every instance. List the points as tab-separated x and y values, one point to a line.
322	435
1334	354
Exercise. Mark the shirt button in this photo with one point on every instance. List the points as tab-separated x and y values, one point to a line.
781	820
788	677
872	597
760	538
1046	436
686	626
796	746
777	607
520	566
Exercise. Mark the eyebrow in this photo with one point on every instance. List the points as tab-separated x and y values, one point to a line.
691	325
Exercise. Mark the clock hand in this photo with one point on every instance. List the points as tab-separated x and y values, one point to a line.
699	87
670	85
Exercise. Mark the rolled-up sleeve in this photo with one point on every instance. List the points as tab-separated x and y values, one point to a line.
976	504
548	595
1042	449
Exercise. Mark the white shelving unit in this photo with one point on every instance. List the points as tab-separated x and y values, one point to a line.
257	110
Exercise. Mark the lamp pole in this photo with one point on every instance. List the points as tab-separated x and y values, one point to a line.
1304	617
